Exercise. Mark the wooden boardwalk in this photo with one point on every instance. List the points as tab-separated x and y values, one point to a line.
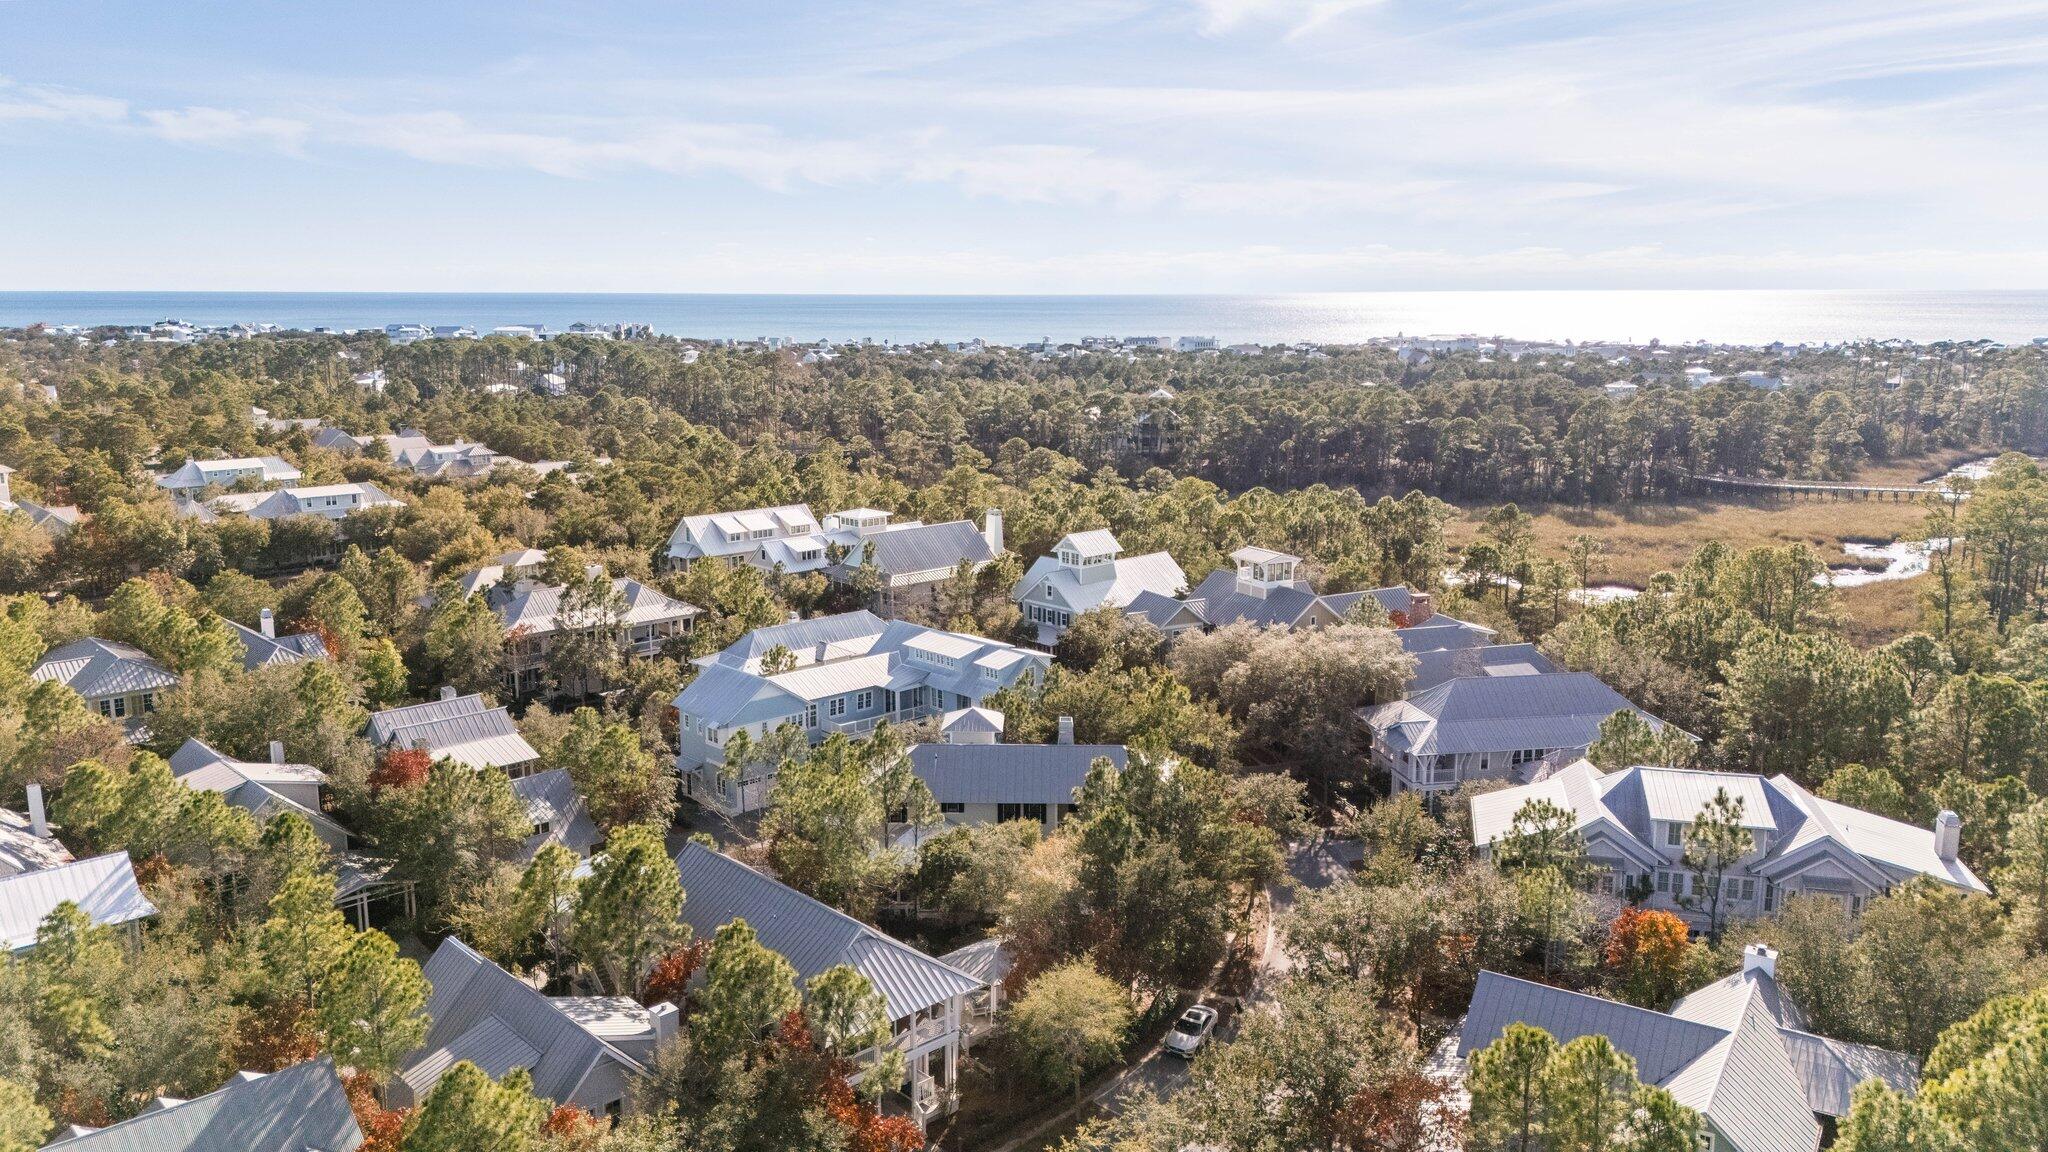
1822	489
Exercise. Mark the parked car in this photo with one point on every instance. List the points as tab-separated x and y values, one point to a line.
1191	1031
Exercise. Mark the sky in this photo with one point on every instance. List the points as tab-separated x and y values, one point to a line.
1002	146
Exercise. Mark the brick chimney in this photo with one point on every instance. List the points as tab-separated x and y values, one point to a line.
1421	606
1948	835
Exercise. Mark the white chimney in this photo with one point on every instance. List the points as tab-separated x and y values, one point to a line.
1066	735
267	622
277	751
38	819
992	530
1948	835
448	692
1760	958
664	1017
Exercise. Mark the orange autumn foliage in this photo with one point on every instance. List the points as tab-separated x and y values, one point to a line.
381	1126
274	1037
1649	950
400	768
671	975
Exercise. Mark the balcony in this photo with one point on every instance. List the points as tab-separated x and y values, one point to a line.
865	725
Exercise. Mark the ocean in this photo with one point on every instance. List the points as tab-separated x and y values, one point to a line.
1675	317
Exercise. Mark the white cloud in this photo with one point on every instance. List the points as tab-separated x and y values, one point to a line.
225	126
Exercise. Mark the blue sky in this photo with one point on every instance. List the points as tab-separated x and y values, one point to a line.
997	146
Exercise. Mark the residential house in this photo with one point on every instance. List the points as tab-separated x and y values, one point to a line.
1263	590
193	475
1086	571
303	1108
1437	665
911	558
928	1001
535	617
1635	823
265	789
558	814
1487	727
844	673
977	780
26	844
458	728
489	1017
415	451
56	520
262	645
334	501
913	561
1737	1051
103	887
119	681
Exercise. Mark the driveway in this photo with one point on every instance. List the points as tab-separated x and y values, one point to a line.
1312	865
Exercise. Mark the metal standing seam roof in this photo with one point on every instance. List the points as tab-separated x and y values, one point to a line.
1438	665
811	936
383	725
484	1014
93	667
1129	577
462	730
1094	542
1442	631
103	887
928	547
682	541
799	637
537	609
1501	713
1009	773
551	799
258	649
1800	825
303	1108
21	850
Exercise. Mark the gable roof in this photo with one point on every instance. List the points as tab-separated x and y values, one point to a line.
1739	1077
811	936
1501	713
551	799
460	729
803	638
252	785
1441	631
258	649
1129	577
1798	825
303	1108
1009	773
103	887
924	548
535	609
93	667
486	1015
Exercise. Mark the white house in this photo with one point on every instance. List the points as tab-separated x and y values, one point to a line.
458	728
303	1108
265	789
1635	822
103	887
1086	571
845	673
911	557
333	501
535	618
194	475
1264	589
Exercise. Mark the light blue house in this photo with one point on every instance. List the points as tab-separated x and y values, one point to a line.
844	673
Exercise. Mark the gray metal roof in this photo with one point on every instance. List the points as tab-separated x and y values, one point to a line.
303	1108
928	547
93	667
1829	1070
799	635
811	936
1502	713
1437	665
258	649
462	730
484	1014
1442	631
1661	1045
1009	773
551	799
21	850
103	887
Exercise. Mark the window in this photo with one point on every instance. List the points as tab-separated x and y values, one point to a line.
864	700
811	715
947	808
1664	884
1674	834
1008	812
1738	888
1523	756
837	706
119	707
1035	812
1770	896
